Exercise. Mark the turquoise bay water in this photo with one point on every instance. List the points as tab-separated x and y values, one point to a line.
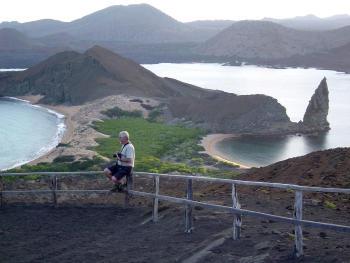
293	87
26	132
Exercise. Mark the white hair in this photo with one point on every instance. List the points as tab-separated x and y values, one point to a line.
124	134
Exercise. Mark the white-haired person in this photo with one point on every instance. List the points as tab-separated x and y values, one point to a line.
124	165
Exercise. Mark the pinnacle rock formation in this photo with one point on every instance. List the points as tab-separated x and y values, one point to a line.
315	117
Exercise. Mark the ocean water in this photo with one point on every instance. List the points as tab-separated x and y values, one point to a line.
293	87
26	131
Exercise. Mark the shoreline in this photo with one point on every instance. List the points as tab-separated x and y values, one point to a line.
70	125
209	142
59	113
79	133
59	109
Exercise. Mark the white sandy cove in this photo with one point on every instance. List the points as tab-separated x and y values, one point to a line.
209	142
79	134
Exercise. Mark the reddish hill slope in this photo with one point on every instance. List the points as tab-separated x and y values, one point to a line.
329	168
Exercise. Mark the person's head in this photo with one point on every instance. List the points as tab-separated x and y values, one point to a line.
123	137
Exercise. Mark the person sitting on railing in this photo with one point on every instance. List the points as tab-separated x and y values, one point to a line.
124	165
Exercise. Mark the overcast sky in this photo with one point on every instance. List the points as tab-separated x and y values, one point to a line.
182	10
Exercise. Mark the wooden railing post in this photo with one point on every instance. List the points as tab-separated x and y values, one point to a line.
156	200
237	219
298	231
188	211
1	189
54	188
130	186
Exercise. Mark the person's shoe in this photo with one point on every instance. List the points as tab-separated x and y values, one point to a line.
116	188
123	187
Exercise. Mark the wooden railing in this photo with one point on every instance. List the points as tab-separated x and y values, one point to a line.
236	210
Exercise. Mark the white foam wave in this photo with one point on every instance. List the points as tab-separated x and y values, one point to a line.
11	69
13	98
58	115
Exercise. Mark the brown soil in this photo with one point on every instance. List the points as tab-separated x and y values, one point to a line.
330	168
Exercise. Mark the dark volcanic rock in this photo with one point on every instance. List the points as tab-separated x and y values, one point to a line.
74	78
224	112
316	113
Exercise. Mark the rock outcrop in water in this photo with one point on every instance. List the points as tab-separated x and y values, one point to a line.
315	117
252	115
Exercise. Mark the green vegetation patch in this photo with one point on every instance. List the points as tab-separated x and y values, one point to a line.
63	145
160	148
9	179
330	204
151	140
155	115
94	164
117	112
64	159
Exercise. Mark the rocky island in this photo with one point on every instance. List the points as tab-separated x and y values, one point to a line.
72	78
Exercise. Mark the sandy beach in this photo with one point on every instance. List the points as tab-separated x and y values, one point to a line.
71	126
79	134
209	142
67	111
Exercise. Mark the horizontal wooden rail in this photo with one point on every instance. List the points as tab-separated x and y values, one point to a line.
202	178
201	204
244	212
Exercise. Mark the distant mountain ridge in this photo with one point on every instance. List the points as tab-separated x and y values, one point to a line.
217	24
257	39
334	59
306	23
140	31
140	23
143	16
313	23
17	50
36	28
147	35
11	39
